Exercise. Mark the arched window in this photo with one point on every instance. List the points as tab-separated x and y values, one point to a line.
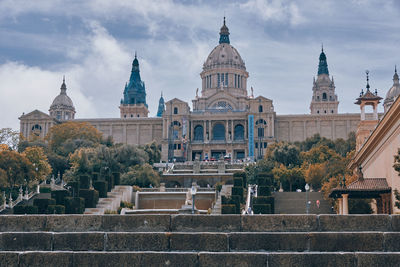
198	133
175	110
324	96
218	132
239	132
176	123
36	129
260	108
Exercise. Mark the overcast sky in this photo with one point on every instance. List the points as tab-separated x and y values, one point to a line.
93	42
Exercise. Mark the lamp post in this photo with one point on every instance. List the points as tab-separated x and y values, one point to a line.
193	191
307	187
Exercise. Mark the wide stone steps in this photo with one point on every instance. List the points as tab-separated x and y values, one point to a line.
200	240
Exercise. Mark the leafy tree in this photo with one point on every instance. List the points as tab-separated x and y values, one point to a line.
319	154
141	175
315	174
23	144
17	168
59	164
153	151
286	175
65	138
9	137
396	164
39	161
286	154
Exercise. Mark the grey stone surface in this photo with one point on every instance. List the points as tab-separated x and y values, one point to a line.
232	259
42	259
345	241
137	242
8	259
391	241
73	223
279	223
199	242
206	223
136	223
78	241
268	241
312	259
26	241
395	223
378	259
354	223
19	223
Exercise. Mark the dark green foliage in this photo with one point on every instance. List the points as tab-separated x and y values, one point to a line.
84	181
233	200
102	187
264	191
116	176
110	182
397	196
74	205
262	209
238	191
45	189
43	203
56	209
95	176
25	209
266	200
228	209
241	175
238	182
91	197
74	187
359	206
59	196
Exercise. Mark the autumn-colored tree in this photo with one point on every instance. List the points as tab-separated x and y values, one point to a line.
319	154
39	161
4	147
17	167
293	175
9	137
286	154
153	150
141	175
65	138
315	174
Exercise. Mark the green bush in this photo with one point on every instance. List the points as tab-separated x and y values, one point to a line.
264	191
91	197
228	209
74	205
233	200
59	196
266	200
116	176
238	182
238	191
110	182
262	208
84	181
101	186
25	209
43	203
56	209
241	175
95	176
45	189
74	187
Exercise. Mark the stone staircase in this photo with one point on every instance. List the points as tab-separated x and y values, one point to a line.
199	240
112	202
295	203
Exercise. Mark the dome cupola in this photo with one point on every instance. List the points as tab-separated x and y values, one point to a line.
393	92
62	107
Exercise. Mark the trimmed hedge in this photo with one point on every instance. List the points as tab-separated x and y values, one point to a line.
59	196
56	209
264	191
233	200
241	175
110	182
102	187
25	209
74	205
43	203
238	191
116	176
262	208
228	209
44	189
95	176
74	187
84	181
266	200
238	182
91	197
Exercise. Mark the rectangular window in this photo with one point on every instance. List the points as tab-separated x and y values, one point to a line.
226	79
235	80
179	146
218	81
174	146
256	145
265	144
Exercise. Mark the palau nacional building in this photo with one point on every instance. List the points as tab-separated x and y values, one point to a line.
225	119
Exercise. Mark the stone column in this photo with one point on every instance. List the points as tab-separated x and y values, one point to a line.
232	133
362	112
137	134
205	131
340	205
375	112
226	130
345	204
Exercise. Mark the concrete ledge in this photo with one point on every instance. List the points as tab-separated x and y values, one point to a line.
354	223
312	259
26	241
136	223
395	223
268	242
137	242
206	223
199	242
391	241
41	259
370	241
279	223
378	259
20	223
9	259
78	241
73	223
233	259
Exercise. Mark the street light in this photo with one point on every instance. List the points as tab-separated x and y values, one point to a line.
193	191
307	187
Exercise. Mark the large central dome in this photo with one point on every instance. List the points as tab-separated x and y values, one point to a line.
224	69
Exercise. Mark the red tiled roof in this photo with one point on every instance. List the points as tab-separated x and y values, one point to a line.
369	184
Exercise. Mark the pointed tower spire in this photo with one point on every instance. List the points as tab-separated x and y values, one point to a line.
63	87
161	106
323	65
395	76
367	73
224	34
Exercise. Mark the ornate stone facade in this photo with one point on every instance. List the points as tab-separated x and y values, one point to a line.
225	119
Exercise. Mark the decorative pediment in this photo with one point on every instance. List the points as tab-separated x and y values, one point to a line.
36	115
222	100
